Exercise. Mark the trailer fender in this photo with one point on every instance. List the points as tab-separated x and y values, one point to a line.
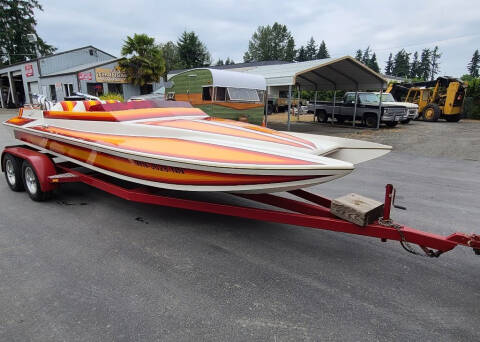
42	164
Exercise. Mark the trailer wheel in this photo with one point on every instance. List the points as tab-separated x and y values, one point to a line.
453	118
32	185
322	116
431	113
13	172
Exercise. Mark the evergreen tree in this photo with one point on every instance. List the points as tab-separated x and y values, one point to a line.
415	66
229	61
301	54
16	22
373	64
366	56
434	63
270	43
358	55
192	52
322	51
424	68
311	49
401	64
290	51
389	65
171	56
220	62
474	65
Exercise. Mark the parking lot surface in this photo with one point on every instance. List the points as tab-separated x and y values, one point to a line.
87	266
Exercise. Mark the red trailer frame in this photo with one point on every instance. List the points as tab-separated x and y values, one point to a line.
313	212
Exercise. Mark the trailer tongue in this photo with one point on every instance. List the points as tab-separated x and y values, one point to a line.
313	211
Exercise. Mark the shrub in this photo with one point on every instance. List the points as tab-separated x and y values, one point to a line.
112	96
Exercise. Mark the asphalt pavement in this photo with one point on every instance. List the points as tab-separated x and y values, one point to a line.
87	266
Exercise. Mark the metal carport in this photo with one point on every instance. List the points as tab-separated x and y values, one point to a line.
344	73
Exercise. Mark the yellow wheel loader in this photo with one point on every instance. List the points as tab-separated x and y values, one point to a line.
439	99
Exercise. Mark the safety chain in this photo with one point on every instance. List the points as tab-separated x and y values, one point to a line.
404	243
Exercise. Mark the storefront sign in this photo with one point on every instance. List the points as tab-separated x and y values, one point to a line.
28	70
85	76
110	75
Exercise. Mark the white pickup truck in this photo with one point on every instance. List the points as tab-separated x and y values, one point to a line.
412	108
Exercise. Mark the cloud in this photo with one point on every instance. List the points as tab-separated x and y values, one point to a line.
226	26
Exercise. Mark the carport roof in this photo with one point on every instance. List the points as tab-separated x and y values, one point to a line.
322	74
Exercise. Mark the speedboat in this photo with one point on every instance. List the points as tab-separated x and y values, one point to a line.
172	145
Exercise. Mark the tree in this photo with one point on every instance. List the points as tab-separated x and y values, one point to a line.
322	51
270	43
143	60
192	52
434	62
358	55
415	66
171	56
311	49
373	64
389	65
366	56
290	51
220	62
17	21
401	64
229	61
474	64
301	54
424	68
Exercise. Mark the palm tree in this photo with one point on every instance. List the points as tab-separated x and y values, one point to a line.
143	60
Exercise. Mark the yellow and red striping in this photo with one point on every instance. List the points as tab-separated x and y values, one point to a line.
177	148
149	171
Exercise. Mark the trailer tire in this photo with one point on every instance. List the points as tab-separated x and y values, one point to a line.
453	118
322	116
32	184
431	113
370	120
12	167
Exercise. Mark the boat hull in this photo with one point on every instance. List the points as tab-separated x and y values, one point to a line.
175	175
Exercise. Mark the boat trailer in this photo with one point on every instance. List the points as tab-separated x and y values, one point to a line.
312	211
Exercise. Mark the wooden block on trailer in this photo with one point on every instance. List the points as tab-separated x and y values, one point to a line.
357	209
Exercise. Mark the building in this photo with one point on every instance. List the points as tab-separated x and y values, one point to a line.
86	70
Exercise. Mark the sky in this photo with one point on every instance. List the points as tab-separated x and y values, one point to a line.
226	26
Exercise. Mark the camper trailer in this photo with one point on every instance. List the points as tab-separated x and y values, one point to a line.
220	93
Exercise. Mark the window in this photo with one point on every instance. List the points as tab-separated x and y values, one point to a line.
68	89
243	94
115	88
368	98
53	92
220	94
425	94
95	89
207	93
350	98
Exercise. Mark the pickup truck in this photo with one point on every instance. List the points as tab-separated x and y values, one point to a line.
412	108
367	110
